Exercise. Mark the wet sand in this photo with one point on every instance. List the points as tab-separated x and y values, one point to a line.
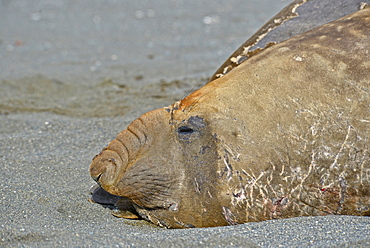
74	74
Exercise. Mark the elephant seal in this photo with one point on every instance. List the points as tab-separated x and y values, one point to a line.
298	17
284	134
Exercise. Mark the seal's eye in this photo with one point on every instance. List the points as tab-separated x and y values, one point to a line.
185	130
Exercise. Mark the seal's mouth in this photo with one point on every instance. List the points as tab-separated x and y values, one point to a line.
100	196
121	207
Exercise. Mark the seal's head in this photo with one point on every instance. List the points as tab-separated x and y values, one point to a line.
163	162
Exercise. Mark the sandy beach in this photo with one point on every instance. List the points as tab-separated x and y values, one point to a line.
76	73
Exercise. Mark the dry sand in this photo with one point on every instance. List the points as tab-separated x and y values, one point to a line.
74	74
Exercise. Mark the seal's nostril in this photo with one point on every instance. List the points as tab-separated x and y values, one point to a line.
97	177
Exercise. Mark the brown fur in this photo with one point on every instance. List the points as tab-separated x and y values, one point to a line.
284	134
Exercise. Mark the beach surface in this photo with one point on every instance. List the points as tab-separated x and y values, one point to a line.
74	73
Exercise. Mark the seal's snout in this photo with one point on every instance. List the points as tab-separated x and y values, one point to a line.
110	165
106	168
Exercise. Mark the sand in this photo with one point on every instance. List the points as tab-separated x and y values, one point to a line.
74	74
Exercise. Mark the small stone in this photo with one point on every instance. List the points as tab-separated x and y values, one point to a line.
114	57
139	14
96	19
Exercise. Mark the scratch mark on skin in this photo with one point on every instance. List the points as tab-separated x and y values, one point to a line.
239	196
278	205
270	179
282	169
362	168
334	164
342	192
183	224
229	216
229	151
310	169
325	209
228	168
253	184
197	189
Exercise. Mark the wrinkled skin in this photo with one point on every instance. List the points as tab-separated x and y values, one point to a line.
284	134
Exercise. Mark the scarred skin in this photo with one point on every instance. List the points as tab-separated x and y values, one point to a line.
296	18
284	134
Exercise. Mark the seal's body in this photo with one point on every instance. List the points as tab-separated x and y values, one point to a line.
284	134
298	17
